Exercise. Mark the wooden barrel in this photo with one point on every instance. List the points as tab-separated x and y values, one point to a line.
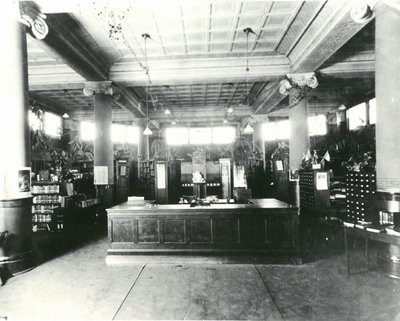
16	250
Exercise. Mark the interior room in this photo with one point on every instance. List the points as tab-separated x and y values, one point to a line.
200	160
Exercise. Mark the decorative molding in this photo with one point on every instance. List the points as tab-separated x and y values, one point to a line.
362	11
98	87
303	79
34	20
299	82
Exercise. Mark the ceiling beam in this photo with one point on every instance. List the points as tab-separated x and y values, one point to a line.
197	71
358	65
335	27
69	40
49	77
46	103
37	86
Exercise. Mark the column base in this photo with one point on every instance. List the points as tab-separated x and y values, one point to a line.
16	253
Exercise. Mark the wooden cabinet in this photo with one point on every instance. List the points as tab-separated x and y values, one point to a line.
226	177
314	194
121	180
147	179
360	191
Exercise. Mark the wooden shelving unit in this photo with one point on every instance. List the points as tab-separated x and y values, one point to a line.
147	178
46	198
338	197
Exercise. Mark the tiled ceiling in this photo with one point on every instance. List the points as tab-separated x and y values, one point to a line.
185	34
206	27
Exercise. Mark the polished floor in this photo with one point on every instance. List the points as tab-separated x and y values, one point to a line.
78	285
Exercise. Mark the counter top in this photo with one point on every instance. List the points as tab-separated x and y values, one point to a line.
257	203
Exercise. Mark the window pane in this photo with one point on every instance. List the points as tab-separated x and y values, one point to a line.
282	129
52	124
118	133
87	130
269	131
176	136
357	116
317	125
223	135
34	120
133	135
200	135
372	111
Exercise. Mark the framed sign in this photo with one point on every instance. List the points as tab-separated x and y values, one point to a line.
322	181
101	175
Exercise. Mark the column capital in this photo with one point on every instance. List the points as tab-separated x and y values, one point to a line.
298	80
363	10
34	19
98	87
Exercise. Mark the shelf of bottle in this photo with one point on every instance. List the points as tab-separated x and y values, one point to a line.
48	212
45	203
43	193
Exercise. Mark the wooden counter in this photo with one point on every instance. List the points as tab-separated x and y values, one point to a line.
266	231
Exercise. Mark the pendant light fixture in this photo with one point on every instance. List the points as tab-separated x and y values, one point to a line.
247	31
147	131
66	94
248	129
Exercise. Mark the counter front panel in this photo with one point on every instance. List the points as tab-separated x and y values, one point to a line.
223	229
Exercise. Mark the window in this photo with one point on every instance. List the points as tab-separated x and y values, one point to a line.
357	116
87	130
269	131
34	120
372	111
276	130
132	135
118	133
200	136
223	135
124	134
283	129
317	125
52	124
176	136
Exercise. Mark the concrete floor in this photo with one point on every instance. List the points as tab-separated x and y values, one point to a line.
78	285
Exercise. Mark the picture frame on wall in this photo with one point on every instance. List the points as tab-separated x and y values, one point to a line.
24	179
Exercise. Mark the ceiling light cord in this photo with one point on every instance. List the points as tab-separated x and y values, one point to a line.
247	31
147	130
